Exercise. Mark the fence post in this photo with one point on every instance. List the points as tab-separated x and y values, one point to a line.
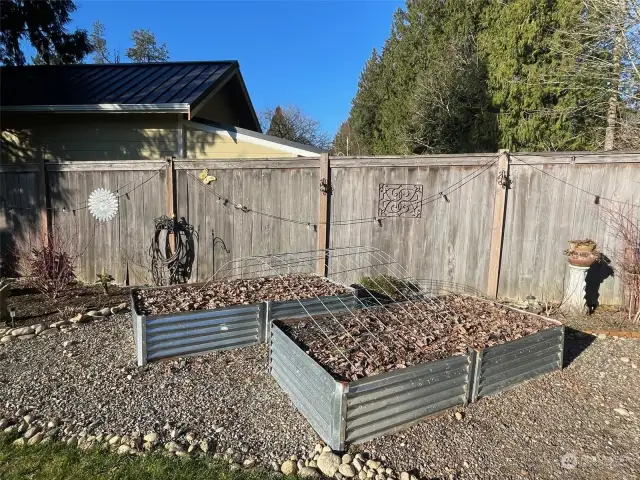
171	199
43	201
324	205
497	231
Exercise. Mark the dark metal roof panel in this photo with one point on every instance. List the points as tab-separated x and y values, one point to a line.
148	83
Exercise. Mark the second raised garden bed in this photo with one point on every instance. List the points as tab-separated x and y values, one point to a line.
488	349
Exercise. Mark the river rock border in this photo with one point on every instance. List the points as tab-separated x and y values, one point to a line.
32	331
321	462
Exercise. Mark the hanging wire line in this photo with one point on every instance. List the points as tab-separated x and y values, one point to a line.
442	194
597	197
84	205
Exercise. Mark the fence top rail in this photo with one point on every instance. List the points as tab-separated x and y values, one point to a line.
254	163
104	165
18	167
570	158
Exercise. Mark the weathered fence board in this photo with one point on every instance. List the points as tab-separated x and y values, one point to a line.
448	244
543	213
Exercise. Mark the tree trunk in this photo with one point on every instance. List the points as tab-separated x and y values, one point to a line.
614	99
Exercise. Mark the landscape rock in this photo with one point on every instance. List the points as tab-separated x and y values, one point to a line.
36	439
309	472
4	423
459	416
357	464
235	467
37	329
373	464
31	432
123	449
625	359
16	332
289	467
346	458
60	323
26	337
115	440
347	470
48	331
362	475
106	311
20	442
6	338
151	437
80	318
173	447
204	445
622	411
328	463
249	463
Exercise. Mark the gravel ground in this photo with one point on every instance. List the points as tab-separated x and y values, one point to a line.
566	418
227	390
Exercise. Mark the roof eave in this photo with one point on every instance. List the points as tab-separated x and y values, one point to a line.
101	108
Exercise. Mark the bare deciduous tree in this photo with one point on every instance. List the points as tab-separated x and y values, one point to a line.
291	123
608	39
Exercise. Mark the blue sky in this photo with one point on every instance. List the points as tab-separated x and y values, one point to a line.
308	53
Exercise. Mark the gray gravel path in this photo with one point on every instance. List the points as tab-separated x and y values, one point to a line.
562	425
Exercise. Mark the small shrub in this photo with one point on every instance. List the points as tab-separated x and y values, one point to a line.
390	286
51	269
48	266
105	279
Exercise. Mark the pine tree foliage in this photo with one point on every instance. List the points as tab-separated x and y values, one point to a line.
42	23
146	49
478	75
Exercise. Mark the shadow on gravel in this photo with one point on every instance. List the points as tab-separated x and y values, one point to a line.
575	342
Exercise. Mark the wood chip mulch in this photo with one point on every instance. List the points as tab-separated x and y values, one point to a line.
187	298
398	336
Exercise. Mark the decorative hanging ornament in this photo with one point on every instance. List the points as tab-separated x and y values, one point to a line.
103	204
206	178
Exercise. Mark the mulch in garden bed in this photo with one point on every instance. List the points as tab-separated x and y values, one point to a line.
186	298
382	339
33	307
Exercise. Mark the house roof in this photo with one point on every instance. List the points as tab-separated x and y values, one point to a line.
158	87
255	137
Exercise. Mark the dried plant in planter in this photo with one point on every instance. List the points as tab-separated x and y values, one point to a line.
586	245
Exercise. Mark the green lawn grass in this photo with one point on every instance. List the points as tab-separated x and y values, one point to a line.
57	461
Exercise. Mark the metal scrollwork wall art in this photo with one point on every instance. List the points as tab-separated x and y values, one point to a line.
400	200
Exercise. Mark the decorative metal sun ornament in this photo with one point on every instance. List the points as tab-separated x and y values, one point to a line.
103	204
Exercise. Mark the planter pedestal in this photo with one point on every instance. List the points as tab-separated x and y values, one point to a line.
575	301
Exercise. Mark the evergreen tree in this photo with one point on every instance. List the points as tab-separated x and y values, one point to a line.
99	43
145	48
42	23
366	104
541	107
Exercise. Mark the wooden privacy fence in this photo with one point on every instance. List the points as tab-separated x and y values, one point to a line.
493	222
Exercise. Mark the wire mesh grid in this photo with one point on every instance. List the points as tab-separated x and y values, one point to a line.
394	322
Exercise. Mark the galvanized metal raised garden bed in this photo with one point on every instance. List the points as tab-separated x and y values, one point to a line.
198	332
356	411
